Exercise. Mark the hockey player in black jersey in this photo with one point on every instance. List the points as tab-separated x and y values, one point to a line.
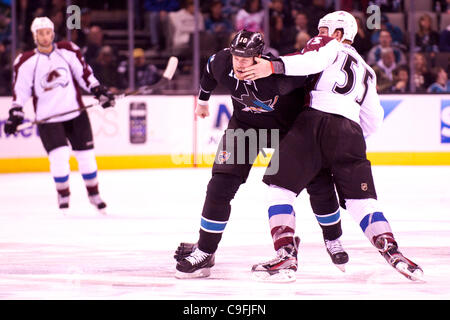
271	103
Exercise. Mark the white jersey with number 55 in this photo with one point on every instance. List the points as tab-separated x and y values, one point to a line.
344	83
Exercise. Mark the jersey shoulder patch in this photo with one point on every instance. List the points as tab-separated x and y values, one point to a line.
220	62
21	58
316	43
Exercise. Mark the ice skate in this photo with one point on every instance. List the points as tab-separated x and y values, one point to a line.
63	201
389	250
337	254
198	264
98	203
280	269
184	250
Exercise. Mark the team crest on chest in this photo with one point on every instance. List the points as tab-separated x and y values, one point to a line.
253	104
54	78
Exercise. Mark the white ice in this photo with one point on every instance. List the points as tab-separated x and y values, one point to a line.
128	254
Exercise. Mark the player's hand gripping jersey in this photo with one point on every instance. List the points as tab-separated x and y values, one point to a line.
344	83
271	103
53	80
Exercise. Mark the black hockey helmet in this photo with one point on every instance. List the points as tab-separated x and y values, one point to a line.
247	44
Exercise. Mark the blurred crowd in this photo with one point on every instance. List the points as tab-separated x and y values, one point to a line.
168	27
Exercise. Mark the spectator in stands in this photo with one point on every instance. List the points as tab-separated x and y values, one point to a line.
290	35
93	44
383	70
250	17
216	22
387	5
231	8
5	71
158	11
59	22
422	76
315	11
217	25
387	62
427	39
444	40
395	32
362	42
441	84
278	26
105	69
301	40
5	28
441	6
79	36
374	54
145	73
181	26
401	80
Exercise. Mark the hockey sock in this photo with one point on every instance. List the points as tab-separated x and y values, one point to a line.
60	169
87	165
281	216
330	224
216	210
370	218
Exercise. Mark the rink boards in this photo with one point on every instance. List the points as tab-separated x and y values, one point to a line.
162	132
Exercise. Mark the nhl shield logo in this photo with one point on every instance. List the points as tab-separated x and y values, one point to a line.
223	156
364	186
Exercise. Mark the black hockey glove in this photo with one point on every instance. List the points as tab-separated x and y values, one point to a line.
105	97
16	116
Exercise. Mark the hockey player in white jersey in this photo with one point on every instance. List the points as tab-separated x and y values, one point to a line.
344	108
53	74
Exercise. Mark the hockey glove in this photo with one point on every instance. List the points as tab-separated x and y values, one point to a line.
16	116
105	97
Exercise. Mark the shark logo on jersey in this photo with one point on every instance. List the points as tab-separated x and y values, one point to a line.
253	104
54	78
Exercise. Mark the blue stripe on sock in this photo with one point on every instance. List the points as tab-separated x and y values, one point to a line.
376	216
89	176
213	226
280	209
329	218
61	179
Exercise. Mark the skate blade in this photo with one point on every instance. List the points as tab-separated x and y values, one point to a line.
416	275
341	267
102	211
281	276
202	273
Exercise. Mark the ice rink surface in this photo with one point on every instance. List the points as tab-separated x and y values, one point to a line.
128	254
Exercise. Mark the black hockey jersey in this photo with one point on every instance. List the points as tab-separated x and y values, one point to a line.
272	102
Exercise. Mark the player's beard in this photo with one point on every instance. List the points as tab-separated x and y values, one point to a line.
44	45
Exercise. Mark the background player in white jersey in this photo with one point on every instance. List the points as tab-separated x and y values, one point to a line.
53	74
344	108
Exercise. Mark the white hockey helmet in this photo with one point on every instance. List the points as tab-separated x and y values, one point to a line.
41	23
340	20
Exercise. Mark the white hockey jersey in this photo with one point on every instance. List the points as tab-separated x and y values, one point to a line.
344	83
53	80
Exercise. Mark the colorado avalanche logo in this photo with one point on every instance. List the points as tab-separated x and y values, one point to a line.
223	156
253	104
56	77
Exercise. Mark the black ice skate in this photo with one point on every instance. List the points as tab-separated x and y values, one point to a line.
184	250
337	253
196	265
389	250
280	269
63	201
98	202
